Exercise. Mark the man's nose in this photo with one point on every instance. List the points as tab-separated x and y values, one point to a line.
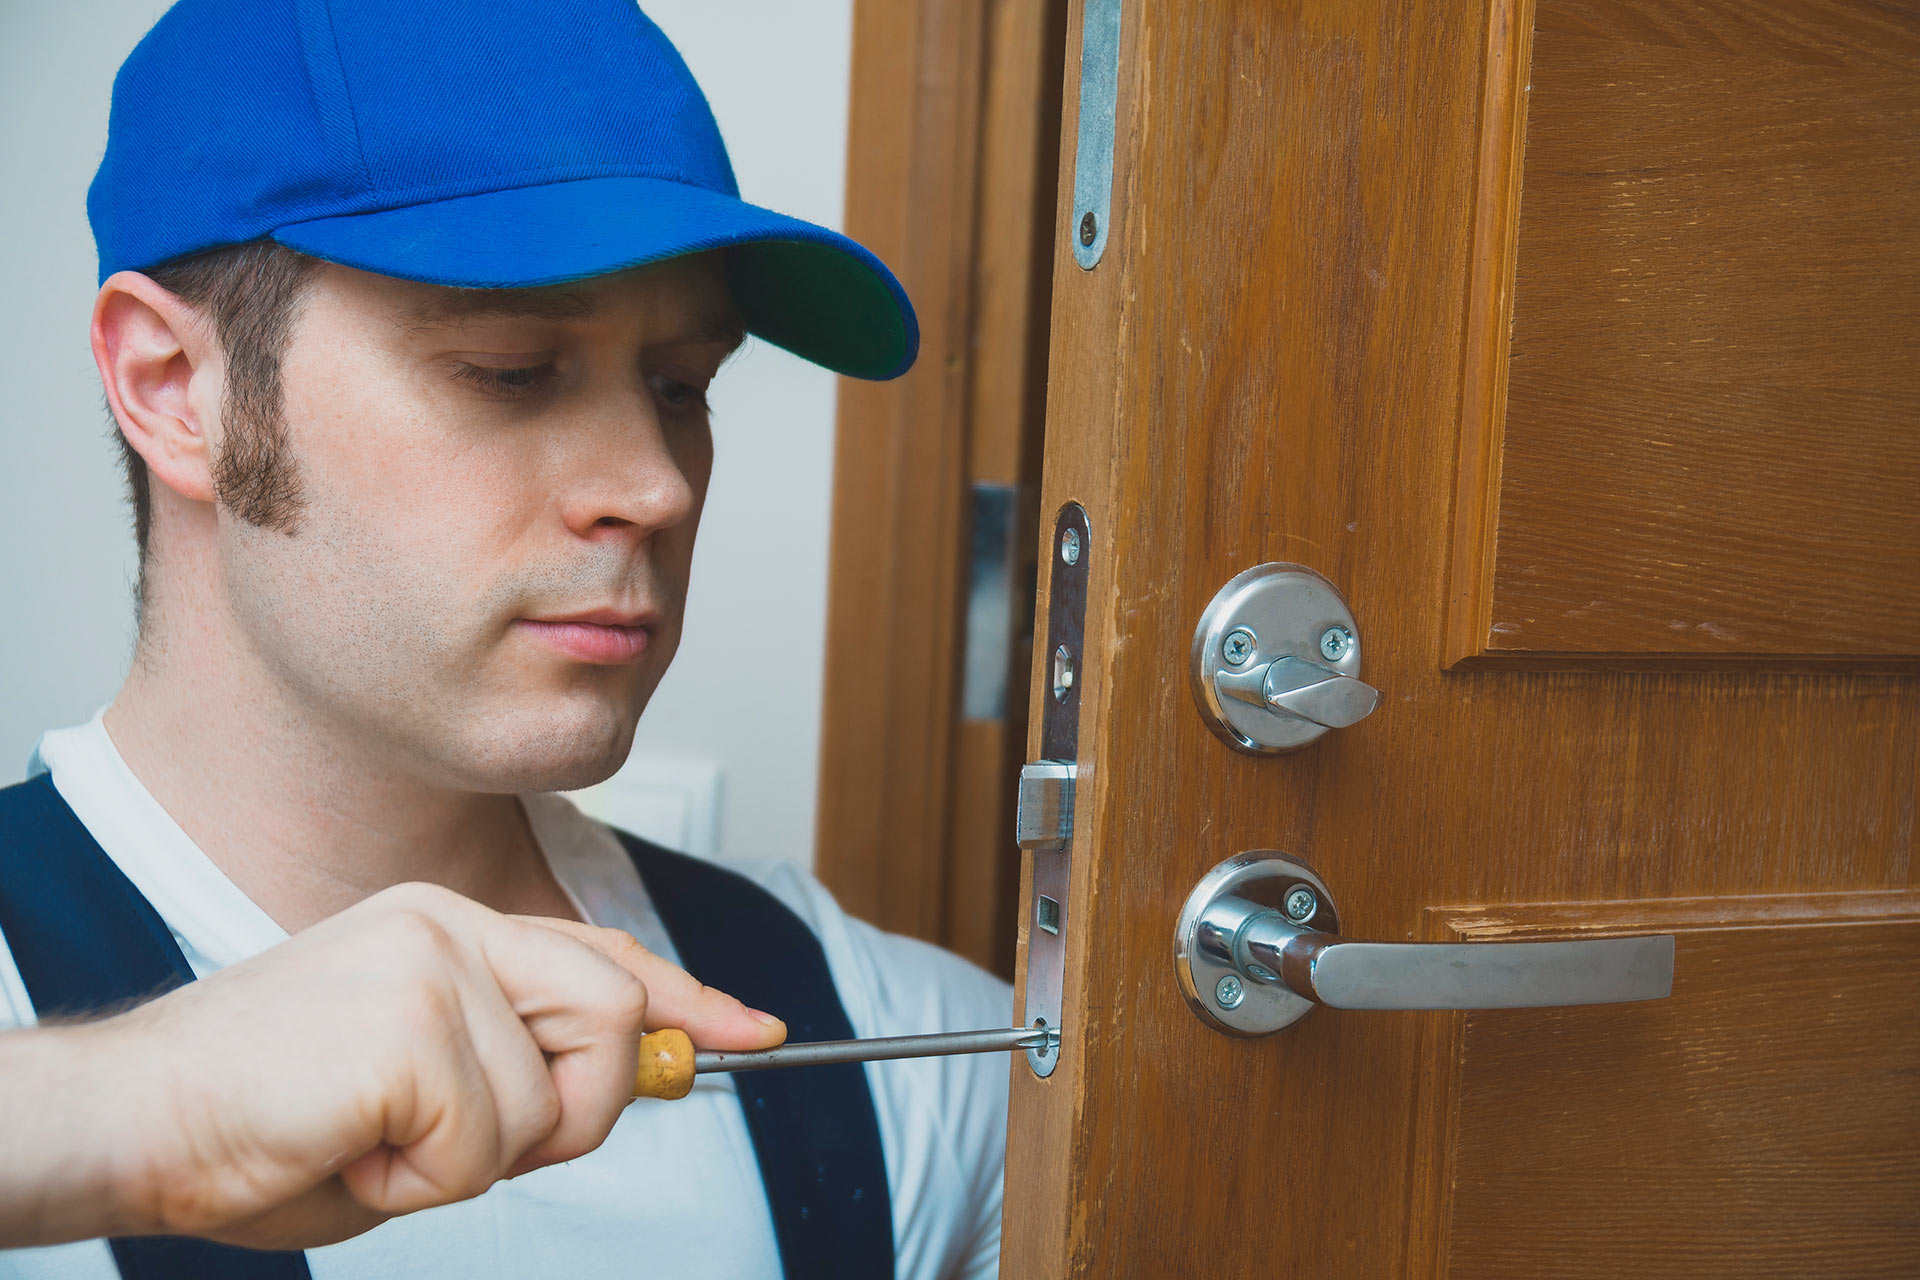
631	478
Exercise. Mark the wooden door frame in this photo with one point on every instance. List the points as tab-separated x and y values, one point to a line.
952	162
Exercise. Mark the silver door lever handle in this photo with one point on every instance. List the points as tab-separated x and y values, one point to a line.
1258	945
1344	974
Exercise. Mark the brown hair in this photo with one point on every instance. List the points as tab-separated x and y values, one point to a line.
251	292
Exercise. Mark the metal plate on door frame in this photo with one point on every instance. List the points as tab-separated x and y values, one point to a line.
1093	140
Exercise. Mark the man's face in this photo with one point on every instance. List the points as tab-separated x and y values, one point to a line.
500	491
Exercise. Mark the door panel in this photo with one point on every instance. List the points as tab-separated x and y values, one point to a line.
1760	1122
1699	439
1275	360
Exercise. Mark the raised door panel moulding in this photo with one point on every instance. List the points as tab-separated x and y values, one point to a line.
1691	424
1762	1121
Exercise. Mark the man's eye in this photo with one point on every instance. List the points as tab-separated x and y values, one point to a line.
680	395
505	384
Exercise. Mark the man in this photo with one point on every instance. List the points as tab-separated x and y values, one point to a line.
407	315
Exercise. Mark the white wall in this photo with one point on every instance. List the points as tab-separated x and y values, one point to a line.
743	698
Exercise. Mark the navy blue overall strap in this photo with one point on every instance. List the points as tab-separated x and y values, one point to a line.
85	940
814	1130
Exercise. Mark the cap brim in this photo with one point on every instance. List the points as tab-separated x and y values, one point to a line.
799	286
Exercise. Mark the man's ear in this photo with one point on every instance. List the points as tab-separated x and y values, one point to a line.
160	364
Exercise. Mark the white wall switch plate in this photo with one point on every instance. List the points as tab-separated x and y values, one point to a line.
669	800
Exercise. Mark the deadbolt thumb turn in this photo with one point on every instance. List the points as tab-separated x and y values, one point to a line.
1276	661
1258	945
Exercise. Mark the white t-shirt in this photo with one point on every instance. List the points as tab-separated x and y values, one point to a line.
610	1213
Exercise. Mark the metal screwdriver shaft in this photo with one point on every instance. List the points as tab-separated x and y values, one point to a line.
668	1062
877	1050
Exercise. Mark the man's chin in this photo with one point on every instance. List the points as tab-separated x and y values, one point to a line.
546	753
564	775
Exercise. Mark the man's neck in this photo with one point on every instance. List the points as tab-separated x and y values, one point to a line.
302	819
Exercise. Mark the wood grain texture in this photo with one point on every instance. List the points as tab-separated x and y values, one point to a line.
1489	325
1044	1190
1267	365
1764	1121
1012	281
894	585
951	163
983	867
1711	433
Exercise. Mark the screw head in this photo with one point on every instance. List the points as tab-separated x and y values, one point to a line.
1229	993
1263	973
1238	646
1301	904
1335	643
1070	546
1089	229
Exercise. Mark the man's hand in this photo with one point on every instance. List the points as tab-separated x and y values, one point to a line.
408	1052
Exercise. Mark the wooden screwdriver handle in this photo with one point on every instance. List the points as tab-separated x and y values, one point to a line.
666	1065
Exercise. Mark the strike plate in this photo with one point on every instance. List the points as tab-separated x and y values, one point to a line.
1050	842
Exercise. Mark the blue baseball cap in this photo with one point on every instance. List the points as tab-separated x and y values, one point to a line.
471	143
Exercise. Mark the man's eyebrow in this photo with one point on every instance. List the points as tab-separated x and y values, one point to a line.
457	306
721	328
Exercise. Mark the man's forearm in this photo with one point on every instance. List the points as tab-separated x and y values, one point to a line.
67	1103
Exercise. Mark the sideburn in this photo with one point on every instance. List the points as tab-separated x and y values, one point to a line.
255	476
253	294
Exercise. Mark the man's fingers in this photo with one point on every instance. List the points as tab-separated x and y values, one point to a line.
324	1214
516	1045
551	1025
441	1139
675	998
559	1035
594	1085
513	1055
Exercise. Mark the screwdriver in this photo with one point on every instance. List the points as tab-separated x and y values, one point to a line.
669	1062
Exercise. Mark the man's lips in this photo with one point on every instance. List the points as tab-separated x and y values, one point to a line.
604	636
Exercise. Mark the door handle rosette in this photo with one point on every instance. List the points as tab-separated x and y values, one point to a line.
1258	945
1276	661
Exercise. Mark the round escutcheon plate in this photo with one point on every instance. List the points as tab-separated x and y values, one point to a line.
1271	611
1203	942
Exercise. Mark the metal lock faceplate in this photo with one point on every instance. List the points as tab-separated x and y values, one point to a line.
1045	817
1276	661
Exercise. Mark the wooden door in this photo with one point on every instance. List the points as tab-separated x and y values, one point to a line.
1574	341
